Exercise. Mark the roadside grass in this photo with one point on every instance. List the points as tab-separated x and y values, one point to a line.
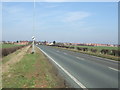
8	45
94	54
33	71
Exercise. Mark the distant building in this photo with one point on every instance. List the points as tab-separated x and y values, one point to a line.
95	44
22	43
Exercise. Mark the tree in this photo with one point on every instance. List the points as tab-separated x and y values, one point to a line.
54	42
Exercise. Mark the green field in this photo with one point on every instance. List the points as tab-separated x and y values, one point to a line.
8	45
98	47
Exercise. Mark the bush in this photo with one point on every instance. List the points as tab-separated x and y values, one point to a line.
78	48
66	46
115	52
105	51
94	50
85	49
82	49
71	47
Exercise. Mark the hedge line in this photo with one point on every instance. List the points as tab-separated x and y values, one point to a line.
103	51
6	51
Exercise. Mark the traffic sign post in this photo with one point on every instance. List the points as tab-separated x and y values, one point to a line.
33	47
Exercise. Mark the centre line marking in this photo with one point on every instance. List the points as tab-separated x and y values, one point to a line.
105	59
72	77
57	51
113	69
65	53
80	58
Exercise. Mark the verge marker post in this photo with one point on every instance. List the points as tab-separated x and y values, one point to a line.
33	49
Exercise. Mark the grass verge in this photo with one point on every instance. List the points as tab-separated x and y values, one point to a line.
32	71
8	57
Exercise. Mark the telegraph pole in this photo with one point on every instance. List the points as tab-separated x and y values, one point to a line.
33	37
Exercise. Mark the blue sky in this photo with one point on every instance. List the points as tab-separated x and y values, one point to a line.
77	22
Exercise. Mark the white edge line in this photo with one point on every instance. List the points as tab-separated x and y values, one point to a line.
113	69
72	77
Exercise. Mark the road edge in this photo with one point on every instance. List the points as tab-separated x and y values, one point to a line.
72	77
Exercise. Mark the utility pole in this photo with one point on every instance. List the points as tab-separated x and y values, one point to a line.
33	37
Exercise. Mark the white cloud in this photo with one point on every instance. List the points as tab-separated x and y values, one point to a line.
75	16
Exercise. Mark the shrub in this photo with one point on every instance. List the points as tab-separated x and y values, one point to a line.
85	49
105	51
66	46
115	52
78	48
71	47
94	50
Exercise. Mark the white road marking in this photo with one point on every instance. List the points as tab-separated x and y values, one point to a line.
105	59
113	69
72	77
80	58
65	53
58	51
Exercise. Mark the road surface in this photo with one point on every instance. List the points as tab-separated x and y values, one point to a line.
82	70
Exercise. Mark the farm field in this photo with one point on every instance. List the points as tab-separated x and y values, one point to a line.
98	47
9	48
8	45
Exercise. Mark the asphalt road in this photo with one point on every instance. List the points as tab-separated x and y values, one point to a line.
82	70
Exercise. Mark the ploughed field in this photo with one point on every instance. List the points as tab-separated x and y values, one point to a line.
9	48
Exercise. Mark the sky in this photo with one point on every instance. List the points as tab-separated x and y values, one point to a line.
75	22
0	21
